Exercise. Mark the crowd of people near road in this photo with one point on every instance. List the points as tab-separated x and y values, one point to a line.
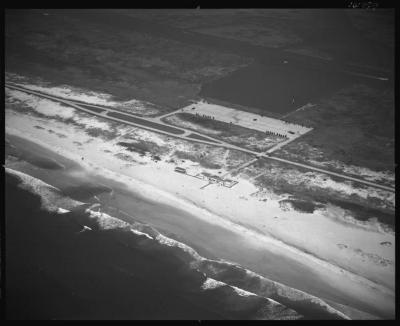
205	116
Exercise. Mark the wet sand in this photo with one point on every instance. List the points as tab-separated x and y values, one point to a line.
92	275
210	240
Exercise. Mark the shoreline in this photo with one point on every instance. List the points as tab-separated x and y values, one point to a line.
149	191
166	198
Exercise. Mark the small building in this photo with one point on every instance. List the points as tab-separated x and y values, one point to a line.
215	179
201	176
228	183
180	170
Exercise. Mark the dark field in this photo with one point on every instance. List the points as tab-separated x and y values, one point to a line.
110	53
272	88
355	126
164	57
358	38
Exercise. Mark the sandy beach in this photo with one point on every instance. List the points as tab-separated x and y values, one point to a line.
341	261
262	237
190	164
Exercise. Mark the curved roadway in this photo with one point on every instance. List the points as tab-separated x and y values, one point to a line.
156	125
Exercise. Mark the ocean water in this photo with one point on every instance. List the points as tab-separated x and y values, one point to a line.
162	236
56	271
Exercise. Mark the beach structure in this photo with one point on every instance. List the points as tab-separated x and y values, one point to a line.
229	183
216	179
180	170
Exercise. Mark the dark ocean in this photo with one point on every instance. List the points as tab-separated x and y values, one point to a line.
53	271
119	265
56	271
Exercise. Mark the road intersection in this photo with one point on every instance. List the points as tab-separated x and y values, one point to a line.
159	126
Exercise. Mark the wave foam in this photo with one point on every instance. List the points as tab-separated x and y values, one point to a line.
243	293
141	233
105	221
162	239
62	210
210	284
276	291
51	197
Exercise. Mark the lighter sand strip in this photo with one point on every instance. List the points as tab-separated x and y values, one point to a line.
347	281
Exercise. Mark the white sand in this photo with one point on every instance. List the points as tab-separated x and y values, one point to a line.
316	233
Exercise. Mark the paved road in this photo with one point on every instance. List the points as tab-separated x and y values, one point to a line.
156	125
144	123
368	183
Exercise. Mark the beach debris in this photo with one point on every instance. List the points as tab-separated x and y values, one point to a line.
85	228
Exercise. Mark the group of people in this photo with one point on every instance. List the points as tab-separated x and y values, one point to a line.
275	134
205	116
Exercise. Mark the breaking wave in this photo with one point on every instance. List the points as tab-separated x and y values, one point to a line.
227	278
51	197
221	273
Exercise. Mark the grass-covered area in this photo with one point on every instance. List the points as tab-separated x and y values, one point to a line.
108	52
362	37
205	161
307	197
105	134
355	126
303	206
234	134
210	157
144	147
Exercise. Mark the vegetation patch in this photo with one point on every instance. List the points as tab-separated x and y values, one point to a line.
143	147
107	52
302	206
302	194
205	160
234	134
102	133
362	213
354	127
